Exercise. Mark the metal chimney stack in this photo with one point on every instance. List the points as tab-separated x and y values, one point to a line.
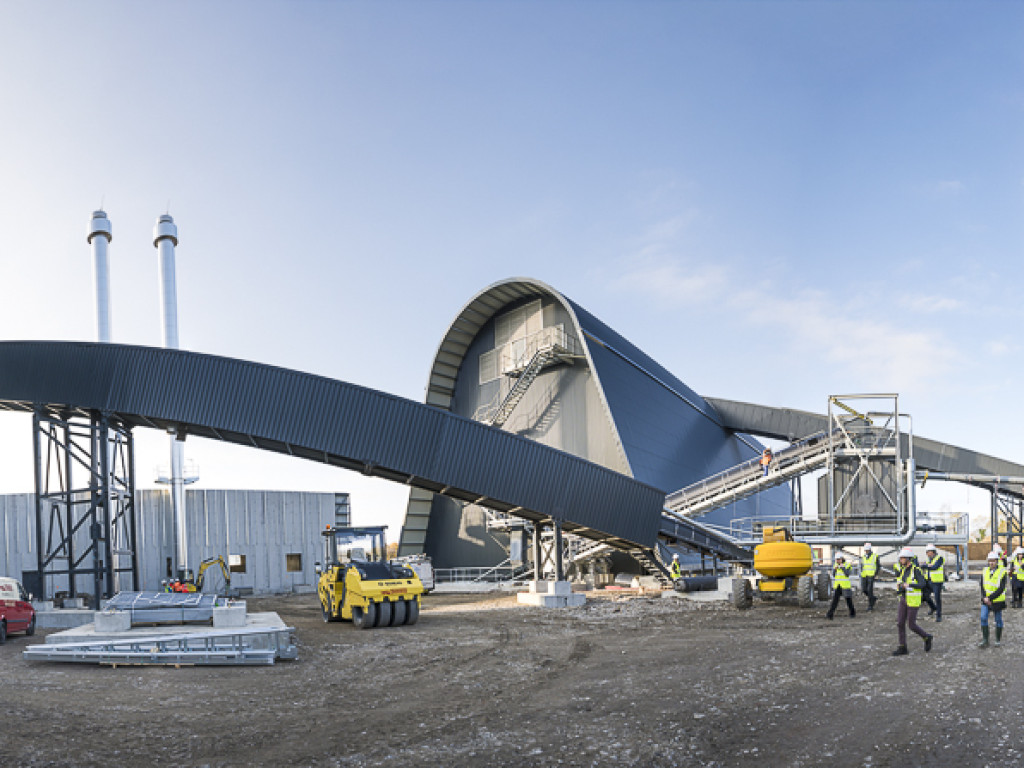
99	238
165	238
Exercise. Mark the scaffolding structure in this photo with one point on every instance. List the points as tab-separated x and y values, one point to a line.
85	505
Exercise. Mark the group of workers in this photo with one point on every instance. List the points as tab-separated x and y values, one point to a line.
176	585
918	583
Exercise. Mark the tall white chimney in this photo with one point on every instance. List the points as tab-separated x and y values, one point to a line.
165	238
99	238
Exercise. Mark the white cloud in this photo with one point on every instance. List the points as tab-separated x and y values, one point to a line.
656	270
670	282
819	327
929	304
950	187
862	349
998	348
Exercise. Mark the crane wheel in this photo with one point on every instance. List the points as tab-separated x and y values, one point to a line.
412	611
822	586
384	614
398	613
742	593
805	591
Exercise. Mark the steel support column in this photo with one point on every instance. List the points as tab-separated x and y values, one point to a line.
85	529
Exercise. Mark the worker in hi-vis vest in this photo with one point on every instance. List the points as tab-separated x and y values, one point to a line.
675	570
1017	576
910	586
868	571
934	568
841	585
993	597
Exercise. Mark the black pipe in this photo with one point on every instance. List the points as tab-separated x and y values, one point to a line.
695	584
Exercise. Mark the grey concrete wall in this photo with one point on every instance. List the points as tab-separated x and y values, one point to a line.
263	526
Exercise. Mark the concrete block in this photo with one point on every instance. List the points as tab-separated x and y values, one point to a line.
228	616
541	600
63	619
113	621
538	587
559	588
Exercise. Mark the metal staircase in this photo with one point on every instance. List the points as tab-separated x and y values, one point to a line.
650	561
749	478
522	360
695	535
541	358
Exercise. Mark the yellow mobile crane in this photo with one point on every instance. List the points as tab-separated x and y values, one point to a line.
785	567
356	583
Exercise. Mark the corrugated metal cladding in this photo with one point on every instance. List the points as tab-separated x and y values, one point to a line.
274	536
616	407
325	420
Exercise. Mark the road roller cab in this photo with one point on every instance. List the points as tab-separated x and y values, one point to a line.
356	583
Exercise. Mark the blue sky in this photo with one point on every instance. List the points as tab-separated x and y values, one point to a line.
778	201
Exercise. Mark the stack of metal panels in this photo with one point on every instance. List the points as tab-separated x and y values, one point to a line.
148	608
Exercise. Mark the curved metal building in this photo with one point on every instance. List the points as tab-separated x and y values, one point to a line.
523	357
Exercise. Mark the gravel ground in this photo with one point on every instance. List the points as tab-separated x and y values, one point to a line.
483	681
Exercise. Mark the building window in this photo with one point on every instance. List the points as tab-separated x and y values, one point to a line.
293	562
518	323
489	366
236	563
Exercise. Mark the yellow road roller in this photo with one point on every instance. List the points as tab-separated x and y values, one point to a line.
356	583
784	567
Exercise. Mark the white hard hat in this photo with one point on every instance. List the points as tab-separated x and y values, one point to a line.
1019	551
996	548
993	555
906	552
931	548
867	545
675	557
840	556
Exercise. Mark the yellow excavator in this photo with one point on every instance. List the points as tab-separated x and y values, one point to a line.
356	583
189	584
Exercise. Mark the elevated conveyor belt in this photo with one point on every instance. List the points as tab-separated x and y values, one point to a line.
330	421
749	478
790	424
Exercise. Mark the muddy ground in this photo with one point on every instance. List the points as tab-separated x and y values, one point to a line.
483	681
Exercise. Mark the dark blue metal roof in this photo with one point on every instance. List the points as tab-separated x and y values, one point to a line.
321	419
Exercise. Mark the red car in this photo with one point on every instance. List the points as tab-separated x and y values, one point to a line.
16	612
